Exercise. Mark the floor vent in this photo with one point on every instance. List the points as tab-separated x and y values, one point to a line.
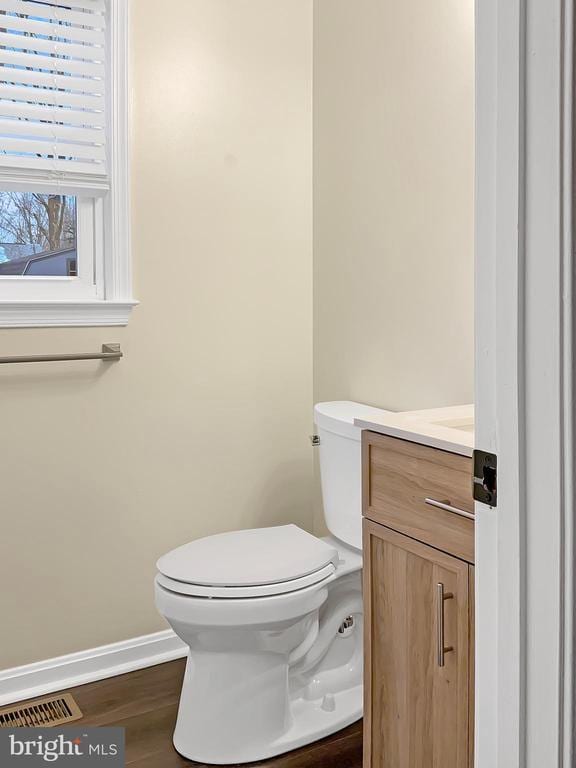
41	713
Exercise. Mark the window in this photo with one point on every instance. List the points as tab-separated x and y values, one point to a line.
38	234
64	255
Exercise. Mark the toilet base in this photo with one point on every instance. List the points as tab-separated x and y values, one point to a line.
311	721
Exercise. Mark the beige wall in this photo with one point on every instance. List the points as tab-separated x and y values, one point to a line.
203	426
393	216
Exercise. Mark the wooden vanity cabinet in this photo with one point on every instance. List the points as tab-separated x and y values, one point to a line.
418	607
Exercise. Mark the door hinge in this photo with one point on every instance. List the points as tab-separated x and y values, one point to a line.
485	482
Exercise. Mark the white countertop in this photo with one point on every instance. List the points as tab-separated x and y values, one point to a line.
450	429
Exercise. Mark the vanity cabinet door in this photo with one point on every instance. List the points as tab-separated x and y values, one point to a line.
417	704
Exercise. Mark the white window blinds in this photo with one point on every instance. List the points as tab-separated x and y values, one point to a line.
52	95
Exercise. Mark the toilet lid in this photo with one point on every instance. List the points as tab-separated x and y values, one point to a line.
261	556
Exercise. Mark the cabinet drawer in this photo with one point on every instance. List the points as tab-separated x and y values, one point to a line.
399	476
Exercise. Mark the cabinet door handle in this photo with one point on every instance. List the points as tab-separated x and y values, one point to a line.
441	596
445	505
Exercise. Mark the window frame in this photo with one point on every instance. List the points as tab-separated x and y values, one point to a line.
103	228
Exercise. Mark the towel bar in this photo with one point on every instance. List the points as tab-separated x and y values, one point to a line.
109	352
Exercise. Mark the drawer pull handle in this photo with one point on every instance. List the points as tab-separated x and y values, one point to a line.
445	505
441	596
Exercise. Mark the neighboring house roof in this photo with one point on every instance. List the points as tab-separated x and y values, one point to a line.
20	250
24	265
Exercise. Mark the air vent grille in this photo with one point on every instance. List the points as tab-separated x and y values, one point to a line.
43	713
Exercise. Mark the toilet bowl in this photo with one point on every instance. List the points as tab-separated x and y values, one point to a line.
273	620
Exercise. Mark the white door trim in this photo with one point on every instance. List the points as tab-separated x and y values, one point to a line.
568	410
498	302
524	410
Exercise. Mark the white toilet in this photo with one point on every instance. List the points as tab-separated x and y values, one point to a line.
273	619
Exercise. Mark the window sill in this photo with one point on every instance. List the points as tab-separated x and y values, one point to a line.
61	314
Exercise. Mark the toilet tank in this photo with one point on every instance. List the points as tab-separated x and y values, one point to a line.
341	466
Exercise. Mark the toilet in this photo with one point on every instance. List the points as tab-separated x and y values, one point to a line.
273	619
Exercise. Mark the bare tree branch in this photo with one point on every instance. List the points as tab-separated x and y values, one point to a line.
48	221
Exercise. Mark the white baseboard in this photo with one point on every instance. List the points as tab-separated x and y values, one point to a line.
44	677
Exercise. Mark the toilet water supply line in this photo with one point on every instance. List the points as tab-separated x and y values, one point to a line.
318	640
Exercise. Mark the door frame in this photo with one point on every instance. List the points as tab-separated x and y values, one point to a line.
524	390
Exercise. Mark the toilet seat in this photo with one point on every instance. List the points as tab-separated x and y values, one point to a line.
252	563
259	590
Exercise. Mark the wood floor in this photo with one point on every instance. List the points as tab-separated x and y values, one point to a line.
145	703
